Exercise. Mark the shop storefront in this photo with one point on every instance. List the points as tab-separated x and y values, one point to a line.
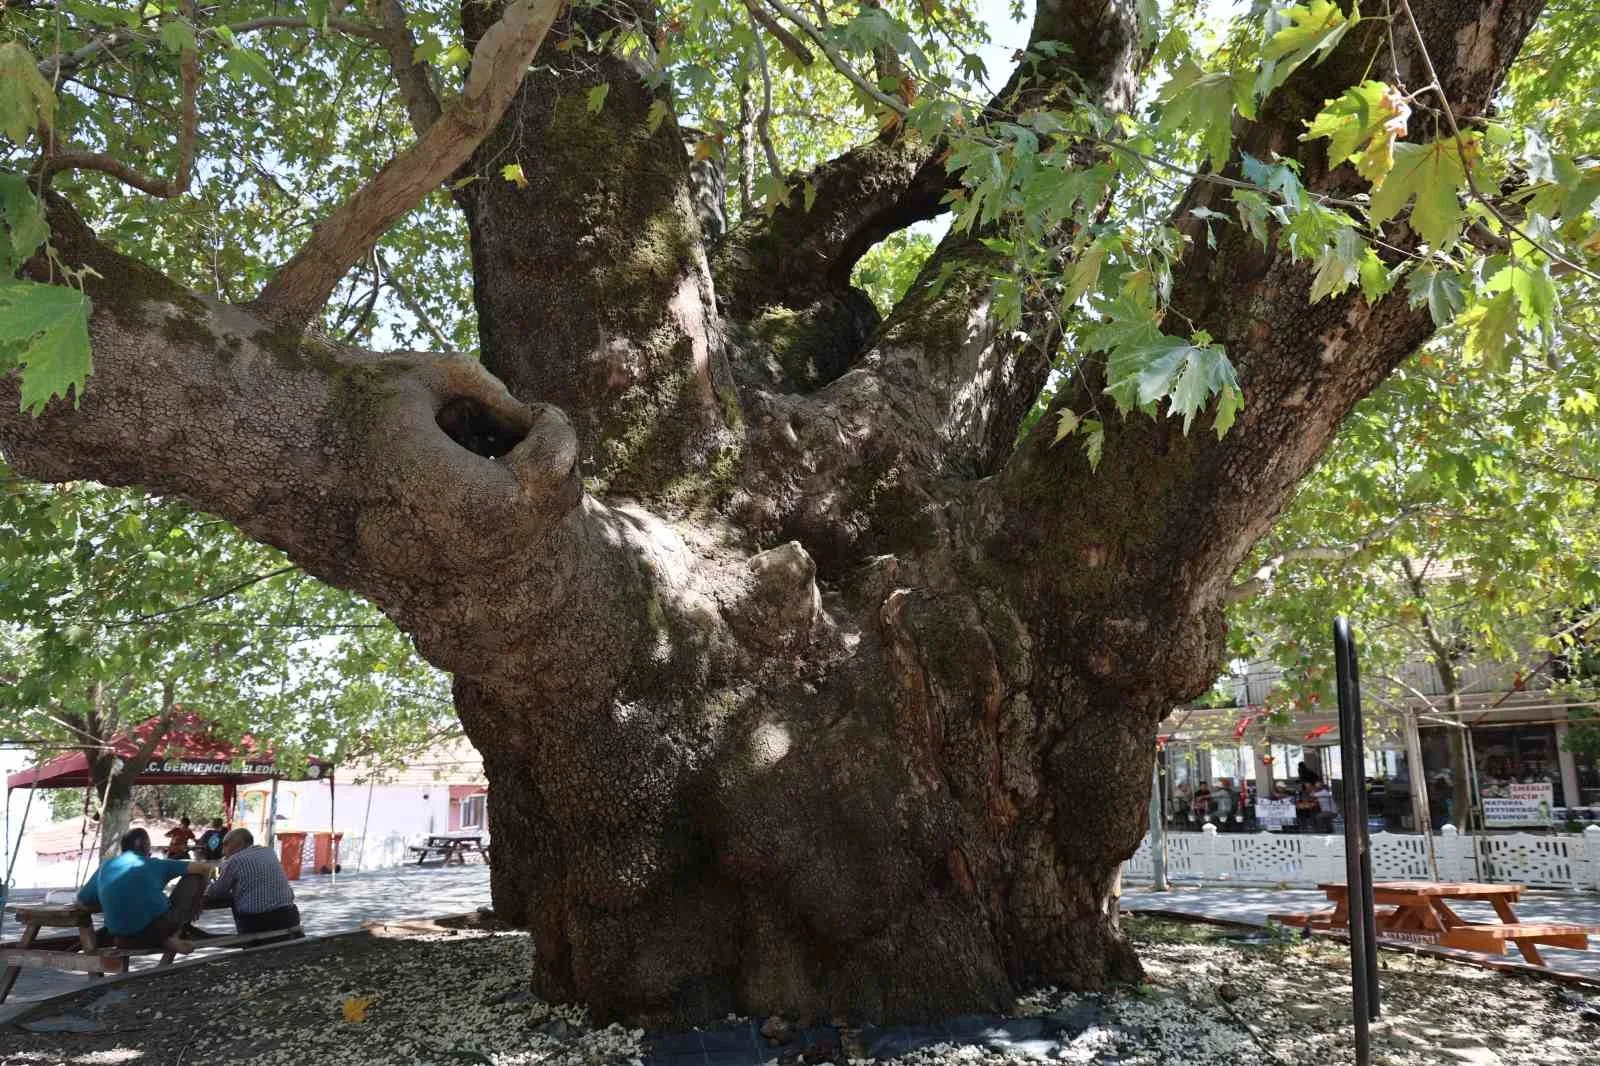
1238	770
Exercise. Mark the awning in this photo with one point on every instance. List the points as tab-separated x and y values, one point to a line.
188	756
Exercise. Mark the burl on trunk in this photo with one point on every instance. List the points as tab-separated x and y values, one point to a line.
831	695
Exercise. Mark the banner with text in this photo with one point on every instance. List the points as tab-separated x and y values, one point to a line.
1527	804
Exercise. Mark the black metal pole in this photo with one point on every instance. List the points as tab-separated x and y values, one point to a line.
1369	907
1356	889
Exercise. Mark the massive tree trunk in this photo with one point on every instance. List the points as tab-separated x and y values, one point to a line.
832	696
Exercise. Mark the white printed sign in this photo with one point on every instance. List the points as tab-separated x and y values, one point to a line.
1527	804
1275	813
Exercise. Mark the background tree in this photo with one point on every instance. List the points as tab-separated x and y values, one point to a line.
119	610
811	670
197	802
1456	520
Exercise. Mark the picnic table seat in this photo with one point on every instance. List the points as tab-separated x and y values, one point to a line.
1492	939
79	953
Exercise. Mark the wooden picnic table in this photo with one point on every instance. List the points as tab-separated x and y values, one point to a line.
1420	911
453	847
78	952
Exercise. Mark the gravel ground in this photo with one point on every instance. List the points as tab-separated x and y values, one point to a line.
1212	998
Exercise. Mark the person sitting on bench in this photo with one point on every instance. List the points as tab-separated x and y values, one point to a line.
138	913
253	884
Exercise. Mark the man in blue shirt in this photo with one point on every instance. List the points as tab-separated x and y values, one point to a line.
130	889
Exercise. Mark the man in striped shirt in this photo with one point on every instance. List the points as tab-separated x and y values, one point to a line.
253	884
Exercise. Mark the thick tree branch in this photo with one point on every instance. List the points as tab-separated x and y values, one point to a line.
941	388
499	61
591	284
790	42
188	122
747	149
796	256
413	76
1302	365
365	469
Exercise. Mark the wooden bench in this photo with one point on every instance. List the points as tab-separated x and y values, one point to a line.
80	954
1490	939
1328	919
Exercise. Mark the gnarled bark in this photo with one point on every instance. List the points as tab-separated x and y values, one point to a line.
835	699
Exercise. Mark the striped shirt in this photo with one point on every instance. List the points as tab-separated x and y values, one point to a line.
252	881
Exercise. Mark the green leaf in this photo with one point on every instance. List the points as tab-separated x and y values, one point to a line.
1433	173
597	97
23	216
1439	288
1362	124
1085	272
1229	403
26	99
317	13
1197	101
177	35
1094	441
512	172
656	114
1376	281
1206	372
1535	291
1153	366
1312	29
1065	424
44	329
1339	265
1495	332
773	192
1348	121
246	64
809	190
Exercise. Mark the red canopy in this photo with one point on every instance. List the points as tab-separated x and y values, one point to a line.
189	755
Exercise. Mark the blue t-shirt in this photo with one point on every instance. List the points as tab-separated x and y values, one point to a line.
130	889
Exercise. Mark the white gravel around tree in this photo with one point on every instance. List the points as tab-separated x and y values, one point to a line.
1212	998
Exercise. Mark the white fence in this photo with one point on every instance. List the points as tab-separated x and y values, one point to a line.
1570	860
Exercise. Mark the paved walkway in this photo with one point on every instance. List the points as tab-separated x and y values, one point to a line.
327	905
1252	905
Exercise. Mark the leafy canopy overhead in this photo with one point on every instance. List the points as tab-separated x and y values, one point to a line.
296	108
113	609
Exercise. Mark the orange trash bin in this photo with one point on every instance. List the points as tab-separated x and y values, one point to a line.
325	852
292	849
